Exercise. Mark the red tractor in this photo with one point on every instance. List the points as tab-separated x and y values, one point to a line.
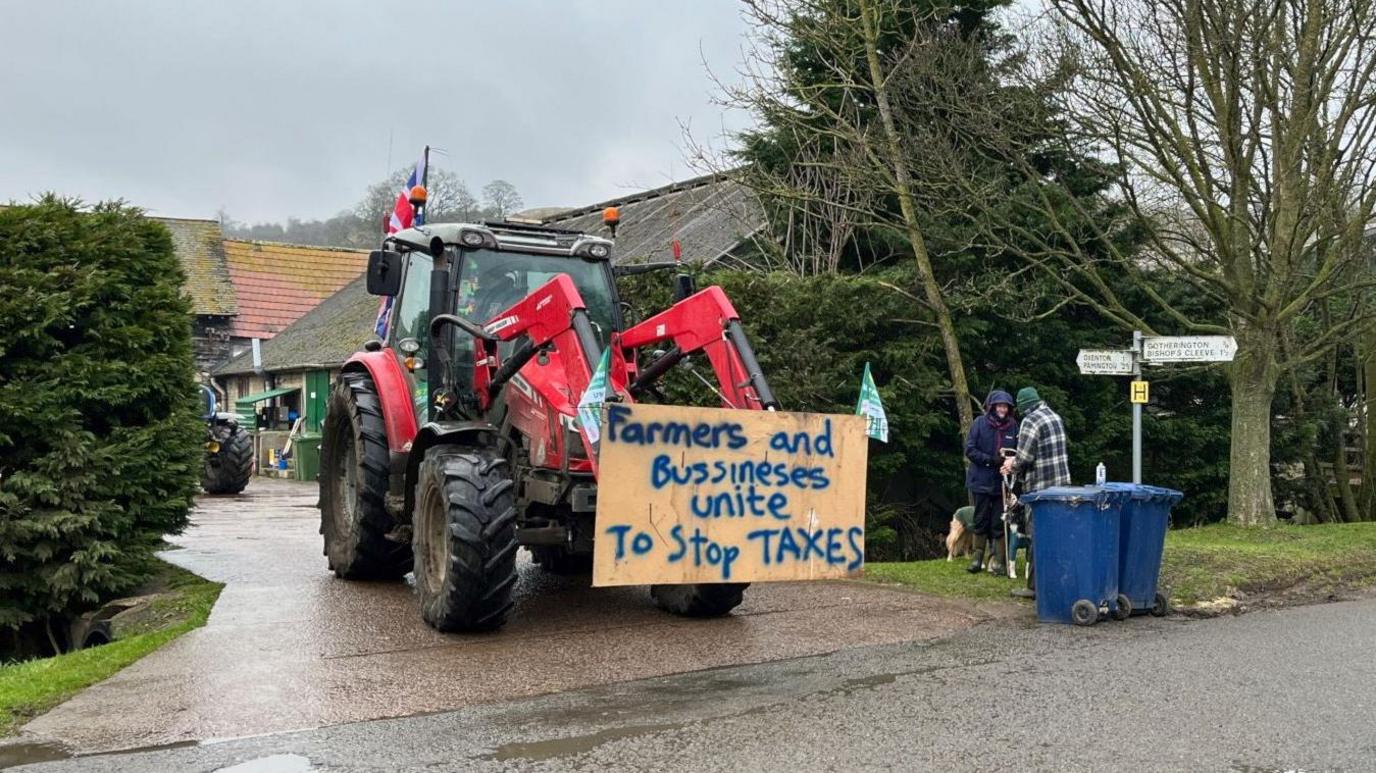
456	441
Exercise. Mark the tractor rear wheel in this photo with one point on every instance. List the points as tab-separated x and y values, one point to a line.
700	600
228	470
353	486
464	539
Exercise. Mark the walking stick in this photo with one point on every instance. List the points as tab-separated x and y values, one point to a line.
1007	538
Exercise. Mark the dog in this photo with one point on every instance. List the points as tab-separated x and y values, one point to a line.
1017	531
960	539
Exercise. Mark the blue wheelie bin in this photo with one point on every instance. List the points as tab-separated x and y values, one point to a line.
1141	541
1075	549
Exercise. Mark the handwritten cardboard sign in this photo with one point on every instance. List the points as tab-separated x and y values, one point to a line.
689	495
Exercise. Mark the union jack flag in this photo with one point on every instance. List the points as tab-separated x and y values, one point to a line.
403	216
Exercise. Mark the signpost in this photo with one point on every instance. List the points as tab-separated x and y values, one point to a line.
691	495
1151	350
1167	349
1105	362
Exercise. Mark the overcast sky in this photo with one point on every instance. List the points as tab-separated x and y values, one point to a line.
271	109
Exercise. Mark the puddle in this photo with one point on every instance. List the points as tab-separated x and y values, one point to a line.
16	754
535	751
274	763
28	753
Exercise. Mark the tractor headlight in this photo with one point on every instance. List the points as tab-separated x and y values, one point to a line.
212	446
599	250
473	238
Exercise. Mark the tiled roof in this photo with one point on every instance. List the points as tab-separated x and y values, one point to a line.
199	247
711	217
323	337
277	283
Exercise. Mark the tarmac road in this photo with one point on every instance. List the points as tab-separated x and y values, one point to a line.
290	647
1288	690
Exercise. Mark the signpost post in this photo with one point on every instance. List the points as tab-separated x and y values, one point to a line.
1151	350
1136	409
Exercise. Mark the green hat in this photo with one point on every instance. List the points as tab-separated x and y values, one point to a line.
1028	399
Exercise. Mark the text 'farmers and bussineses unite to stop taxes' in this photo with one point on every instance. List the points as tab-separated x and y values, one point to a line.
729	496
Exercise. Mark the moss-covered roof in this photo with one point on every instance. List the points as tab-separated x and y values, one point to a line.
277	283
710	216
323	337
199	245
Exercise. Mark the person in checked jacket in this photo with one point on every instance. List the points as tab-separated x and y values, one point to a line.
1042	461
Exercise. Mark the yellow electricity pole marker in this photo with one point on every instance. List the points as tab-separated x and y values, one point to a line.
1140	391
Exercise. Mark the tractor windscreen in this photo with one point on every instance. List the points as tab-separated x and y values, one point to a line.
491	281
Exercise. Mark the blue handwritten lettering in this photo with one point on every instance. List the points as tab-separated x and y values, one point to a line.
642	543
677	534
621	429
834	546
763	535
777	502
859	552
620	532
788	545
812	543
803	443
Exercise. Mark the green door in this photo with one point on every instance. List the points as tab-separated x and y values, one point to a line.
317	392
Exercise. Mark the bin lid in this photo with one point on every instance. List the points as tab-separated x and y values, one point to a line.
1144	492
1100	497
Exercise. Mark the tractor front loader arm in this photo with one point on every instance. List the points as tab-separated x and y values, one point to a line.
703	322
554	314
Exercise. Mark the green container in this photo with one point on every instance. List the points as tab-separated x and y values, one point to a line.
306	449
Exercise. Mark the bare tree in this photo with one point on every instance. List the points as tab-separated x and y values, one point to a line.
448	199
1240	139
501	198
849	160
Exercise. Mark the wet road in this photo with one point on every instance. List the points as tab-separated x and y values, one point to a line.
1290	690
289	647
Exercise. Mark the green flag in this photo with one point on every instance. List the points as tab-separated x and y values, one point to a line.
869	405
590	406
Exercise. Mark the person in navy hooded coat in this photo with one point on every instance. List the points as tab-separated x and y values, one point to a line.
989	435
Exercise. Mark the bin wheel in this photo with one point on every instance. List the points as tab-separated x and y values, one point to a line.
1123	608
1084	613
1161	605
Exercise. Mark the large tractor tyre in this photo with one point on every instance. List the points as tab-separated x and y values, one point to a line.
353	486
701	600
562	562
464	539
228	470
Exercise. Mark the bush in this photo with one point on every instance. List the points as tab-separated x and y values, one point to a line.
99	432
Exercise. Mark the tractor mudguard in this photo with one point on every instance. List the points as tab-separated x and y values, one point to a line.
394	393
442	433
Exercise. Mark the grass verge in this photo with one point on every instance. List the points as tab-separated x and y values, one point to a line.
31	687
1201	565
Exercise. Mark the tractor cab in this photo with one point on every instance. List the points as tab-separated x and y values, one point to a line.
475	272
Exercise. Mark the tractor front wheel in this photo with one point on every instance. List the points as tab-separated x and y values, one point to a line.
353	486
464	539
227	470
700	600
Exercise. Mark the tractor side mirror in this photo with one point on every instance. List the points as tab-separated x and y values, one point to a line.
384	272
684	286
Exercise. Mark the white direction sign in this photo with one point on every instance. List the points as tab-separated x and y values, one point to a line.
1189	348
1105	362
